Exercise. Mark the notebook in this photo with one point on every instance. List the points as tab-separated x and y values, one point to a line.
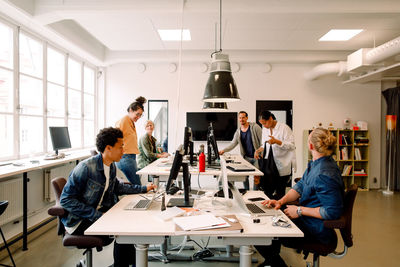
240	168
142	204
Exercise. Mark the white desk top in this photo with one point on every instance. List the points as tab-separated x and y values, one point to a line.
157	168
27	165
120	222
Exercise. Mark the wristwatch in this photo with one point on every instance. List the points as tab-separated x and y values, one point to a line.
299	211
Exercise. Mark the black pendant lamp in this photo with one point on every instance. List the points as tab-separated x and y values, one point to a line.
220	86
210	106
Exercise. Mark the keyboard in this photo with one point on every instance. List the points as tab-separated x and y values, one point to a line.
140	205
253	208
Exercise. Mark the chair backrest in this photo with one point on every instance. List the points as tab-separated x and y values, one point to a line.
3	206
349	199
58	185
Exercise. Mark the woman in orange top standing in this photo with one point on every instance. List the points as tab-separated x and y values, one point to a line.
128	163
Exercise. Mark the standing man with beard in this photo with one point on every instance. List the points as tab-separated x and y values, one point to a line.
248	136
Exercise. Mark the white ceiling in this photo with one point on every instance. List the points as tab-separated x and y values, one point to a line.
130	26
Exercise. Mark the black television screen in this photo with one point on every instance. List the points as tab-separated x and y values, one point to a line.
224	124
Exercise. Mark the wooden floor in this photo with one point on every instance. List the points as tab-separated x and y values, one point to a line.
376	230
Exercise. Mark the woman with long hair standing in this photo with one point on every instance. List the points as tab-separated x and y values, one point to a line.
128	163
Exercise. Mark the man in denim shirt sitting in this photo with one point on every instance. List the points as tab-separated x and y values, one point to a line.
320	193
92	189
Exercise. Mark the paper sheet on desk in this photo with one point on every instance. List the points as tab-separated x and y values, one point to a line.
200	222
235	228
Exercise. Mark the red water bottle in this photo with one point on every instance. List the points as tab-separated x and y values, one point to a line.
202	162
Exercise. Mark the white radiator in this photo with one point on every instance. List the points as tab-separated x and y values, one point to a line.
11	190
48	175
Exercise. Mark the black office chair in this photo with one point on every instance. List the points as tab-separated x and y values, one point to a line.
3	207
343	224
79	241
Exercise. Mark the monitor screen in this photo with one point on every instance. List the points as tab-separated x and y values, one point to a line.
224	124
60	137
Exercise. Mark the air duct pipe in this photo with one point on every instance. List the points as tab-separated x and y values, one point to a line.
375	55
325	69
384	51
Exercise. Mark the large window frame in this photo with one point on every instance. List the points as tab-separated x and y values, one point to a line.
16	112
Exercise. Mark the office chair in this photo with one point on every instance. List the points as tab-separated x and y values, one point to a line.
79	241
3	207
343	224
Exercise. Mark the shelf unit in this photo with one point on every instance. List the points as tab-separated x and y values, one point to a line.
356	143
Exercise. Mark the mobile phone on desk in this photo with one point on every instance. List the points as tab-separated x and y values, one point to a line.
254	199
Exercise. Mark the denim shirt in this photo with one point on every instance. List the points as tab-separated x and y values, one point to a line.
82	193
321	186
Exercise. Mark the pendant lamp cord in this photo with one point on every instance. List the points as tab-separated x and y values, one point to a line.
220	31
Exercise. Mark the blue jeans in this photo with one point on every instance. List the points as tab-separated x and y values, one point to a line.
128	166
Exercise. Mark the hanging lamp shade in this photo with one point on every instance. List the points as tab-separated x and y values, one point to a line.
215	106
220	86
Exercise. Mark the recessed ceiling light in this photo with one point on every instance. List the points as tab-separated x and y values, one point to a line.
175	35
340	35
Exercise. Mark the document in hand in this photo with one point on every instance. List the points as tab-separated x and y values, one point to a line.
200	222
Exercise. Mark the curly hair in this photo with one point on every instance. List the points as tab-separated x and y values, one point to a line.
138	104
107	137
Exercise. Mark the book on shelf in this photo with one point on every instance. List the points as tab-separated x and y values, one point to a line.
347	170
344	153
357	154
360	172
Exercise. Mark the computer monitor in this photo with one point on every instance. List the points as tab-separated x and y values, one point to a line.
59	138
211	145
188	144
176	166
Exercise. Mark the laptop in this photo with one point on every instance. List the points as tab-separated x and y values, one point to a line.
142	204
251	208
240	168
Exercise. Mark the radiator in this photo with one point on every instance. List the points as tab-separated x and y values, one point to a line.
11	190
48	175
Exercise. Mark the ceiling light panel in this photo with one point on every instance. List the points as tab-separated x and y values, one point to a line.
340	35
175	35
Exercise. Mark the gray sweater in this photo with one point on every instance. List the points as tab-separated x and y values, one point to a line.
256	133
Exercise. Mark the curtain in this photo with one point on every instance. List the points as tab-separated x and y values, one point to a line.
392	97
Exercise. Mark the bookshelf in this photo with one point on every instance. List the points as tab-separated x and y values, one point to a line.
351	155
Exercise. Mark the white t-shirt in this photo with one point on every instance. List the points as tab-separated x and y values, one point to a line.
285	154
70	230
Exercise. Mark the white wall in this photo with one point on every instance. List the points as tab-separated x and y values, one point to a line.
325	100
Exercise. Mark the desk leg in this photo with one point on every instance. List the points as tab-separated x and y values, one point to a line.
25	211
245	256
141	255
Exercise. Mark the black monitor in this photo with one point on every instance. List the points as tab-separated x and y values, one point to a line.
176	166
188	144
59	138
211	145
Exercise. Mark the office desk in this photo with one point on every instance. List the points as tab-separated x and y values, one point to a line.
11	170
158	168
143	228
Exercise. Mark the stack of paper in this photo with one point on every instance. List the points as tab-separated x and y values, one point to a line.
200	222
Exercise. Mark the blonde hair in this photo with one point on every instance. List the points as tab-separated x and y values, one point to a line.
147	123
323	141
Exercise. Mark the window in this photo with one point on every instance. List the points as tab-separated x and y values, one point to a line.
6	92
30	96
88	111
57	91
6	46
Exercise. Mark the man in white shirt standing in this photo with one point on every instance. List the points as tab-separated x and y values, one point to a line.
279	156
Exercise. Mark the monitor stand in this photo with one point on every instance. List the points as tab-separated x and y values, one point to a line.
180	202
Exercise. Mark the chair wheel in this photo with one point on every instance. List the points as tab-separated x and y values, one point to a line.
81	263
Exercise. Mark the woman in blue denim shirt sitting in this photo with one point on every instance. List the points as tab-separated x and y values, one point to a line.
320	193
